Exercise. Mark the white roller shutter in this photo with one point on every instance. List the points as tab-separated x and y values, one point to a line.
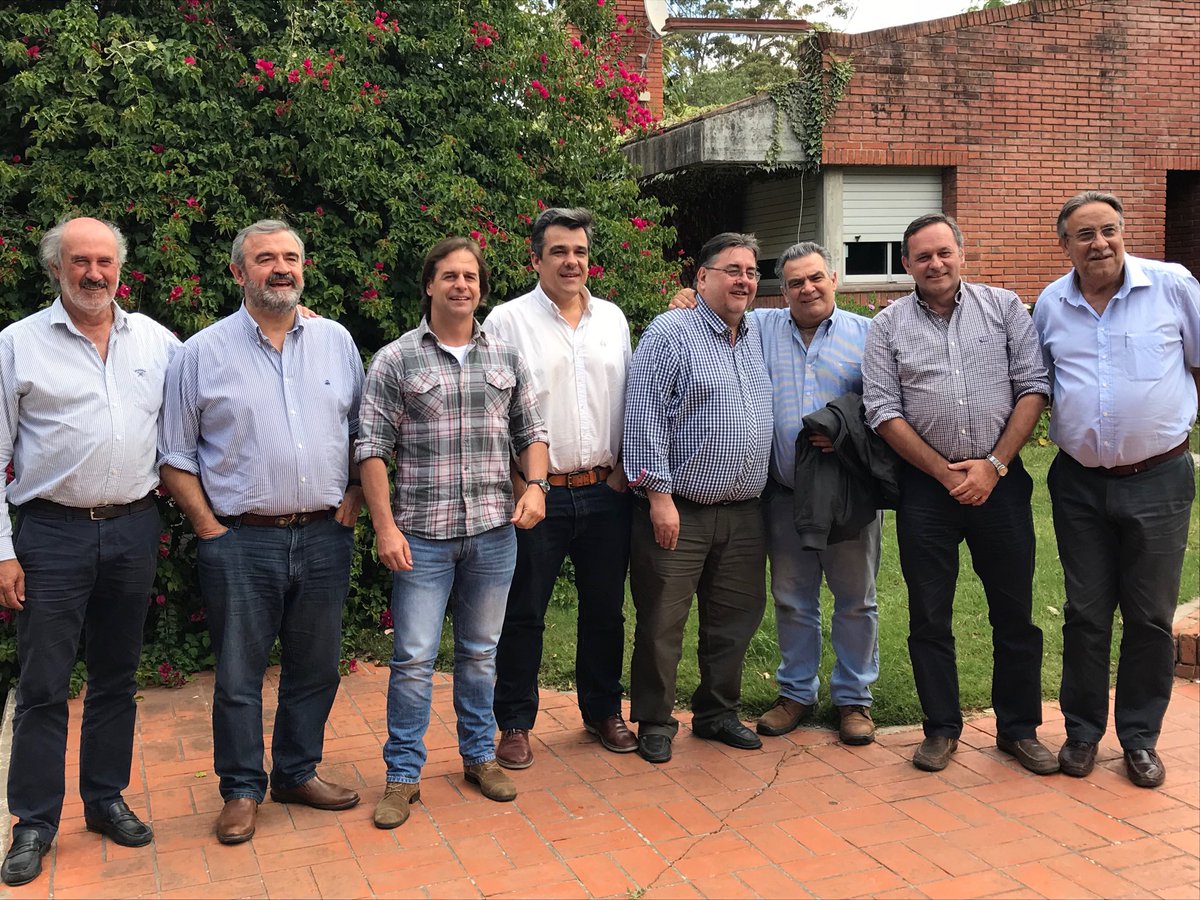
878	203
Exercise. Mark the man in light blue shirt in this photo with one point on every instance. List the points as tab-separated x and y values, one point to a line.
813	354
256	449
1121	339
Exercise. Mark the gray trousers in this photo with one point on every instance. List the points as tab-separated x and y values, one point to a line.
721	559
1122	543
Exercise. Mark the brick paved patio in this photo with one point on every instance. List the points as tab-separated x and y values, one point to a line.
802	817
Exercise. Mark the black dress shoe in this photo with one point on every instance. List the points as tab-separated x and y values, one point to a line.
118	823
655	748
1031	754
24	860
1144	768
1077	758
731	732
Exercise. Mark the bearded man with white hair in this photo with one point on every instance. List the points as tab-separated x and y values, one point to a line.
80	391
256	442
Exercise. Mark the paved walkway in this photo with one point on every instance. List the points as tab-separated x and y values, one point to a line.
802	817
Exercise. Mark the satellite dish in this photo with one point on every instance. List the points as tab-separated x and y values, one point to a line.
656	16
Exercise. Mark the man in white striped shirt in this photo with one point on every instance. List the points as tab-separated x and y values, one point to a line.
80	391
256	437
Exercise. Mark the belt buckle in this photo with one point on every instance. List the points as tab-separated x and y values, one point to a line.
285	521
571	480
92	514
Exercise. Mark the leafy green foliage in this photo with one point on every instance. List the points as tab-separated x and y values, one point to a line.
375	131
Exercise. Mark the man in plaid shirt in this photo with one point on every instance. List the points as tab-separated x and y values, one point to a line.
448	402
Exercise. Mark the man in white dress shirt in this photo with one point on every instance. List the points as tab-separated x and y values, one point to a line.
577	349
81	384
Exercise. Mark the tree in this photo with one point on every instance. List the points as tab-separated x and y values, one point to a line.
709	69
375	132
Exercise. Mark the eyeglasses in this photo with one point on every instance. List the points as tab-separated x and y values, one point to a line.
737	272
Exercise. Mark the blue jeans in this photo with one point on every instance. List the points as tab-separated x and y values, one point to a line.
850	568
81	578
478	571
592	525
260	583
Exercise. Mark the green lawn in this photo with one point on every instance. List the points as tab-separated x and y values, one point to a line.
895	696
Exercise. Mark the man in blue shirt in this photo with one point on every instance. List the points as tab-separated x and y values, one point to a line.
697	442
255	448
813	354
1121	339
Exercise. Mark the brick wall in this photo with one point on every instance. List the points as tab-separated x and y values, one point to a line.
640	43
1030	104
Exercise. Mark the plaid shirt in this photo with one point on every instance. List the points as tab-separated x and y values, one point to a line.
954	381
450	428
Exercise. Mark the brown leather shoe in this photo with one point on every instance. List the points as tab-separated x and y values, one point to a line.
235	825
614	734
1077	758
514	751
318	794
492	781
1031	754
1144	768
934	753
855	726
393	807
783	716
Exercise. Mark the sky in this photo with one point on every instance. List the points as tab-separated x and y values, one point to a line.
873	14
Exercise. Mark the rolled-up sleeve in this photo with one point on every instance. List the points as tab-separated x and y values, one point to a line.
1026	366
380	409
653	380
882	394
179	421
525	417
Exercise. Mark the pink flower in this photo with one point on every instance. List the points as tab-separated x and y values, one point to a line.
599	2
595	271
378	267
6	616
385	619
176	293
122	292
193	202
161	599
137	276
639	223
199	615
164	538
157	148
266	67
370	294
320	210
294	76
189	60
621	20
34	52
16	158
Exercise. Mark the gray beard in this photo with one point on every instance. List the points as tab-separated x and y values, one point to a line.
278	302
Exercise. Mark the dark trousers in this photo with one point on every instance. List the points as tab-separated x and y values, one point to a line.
721	558
260	583
90	578
930	525
1122	543
592	525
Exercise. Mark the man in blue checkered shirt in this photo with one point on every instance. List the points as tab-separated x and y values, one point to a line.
698	427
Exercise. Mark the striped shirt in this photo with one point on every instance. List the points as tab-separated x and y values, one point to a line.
954	381
804	379
79	430
698	418
450	428
267	432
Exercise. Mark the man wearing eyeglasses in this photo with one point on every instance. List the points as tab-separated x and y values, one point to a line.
698	428
1121	338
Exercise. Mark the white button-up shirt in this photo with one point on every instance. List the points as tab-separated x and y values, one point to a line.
79	430
578	373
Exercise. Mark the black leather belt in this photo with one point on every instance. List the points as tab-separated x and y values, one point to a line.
287	520
1143	466
48	509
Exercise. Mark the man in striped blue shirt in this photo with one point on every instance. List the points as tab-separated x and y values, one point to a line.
80	392
697	442
256	448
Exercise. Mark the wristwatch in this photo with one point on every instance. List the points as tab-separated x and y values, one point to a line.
1001	468
540	482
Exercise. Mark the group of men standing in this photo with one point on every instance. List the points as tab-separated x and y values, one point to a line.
539	436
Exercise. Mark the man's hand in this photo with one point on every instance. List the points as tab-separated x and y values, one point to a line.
531	508
821	441
350	507
392	548
216	529
12	584
684	299
980	478
306	313
617	480
665	519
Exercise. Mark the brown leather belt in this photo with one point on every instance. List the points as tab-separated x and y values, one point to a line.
288	520
1143	466
49	509
584	478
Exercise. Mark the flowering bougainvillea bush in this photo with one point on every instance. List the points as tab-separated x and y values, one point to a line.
375	130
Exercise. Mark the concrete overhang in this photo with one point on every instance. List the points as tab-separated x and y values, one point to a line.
735	135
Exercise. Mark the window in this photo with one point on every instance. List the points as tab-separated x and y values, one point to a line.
874	258
877	205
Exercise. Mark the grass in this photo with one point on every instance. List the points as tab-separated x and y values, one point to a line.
895	695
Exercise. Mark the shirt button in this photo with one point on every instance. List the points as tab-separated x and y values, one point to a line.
963	431
300	446
961	401
302	480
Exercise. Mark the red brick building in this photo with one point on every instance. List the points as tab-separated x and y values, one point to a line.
995	117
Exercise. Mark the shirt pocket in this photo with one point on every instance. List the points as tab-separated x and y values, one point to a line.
499	385
992	351
424	398
1144	356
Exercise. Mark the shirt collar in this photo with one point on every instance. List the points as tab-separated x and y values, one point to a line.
716	323
256	333
957	297
1134	276
477	334
60	316
543	300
